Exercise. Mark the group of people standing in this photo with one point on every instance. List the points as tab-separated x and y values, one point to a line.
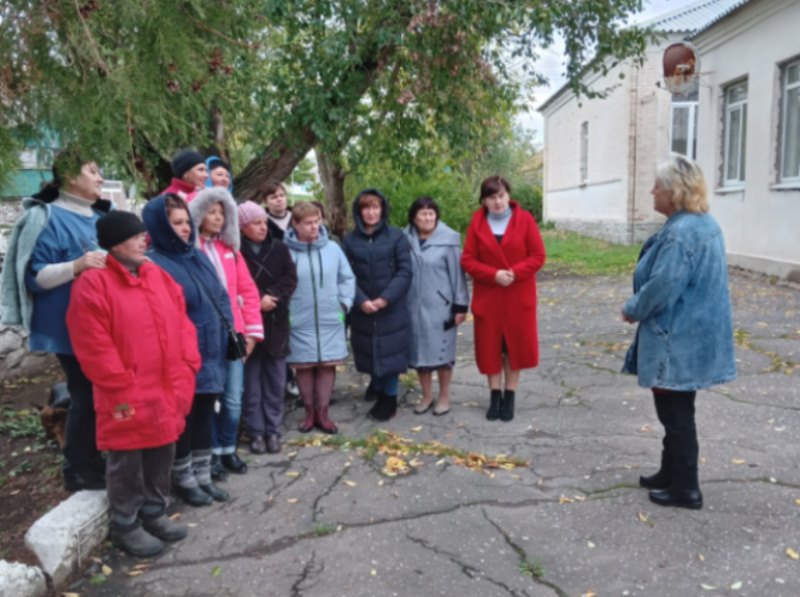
178	330
175	330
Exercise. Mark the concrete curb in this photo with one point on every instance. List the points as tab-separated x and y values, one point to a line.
61	540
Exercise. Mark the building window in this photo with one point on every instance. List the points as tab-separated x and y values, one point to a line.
790	123
584	151
735	138
684	129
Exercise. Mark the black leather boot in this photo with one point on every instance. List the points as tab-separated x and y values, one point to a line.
385	408
507	406
660	480
495	399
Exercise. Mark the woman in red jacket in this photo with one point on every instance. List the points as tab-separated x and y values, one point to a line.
502	253
133	339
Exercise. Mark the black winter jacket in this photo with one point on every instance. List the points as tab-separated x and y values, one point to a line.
274	273
381	263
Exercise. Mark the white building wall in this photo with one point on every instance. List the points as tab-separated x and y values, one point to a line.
760	221
628	134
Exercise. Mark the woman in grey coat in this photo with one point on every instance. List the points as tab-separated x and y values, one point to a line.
437	301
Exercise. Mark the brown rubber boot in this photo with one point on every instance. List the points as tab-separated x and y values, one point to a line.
308	423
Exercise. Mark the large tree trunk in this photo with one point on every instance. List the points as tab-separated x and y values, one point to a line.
275	163
332	176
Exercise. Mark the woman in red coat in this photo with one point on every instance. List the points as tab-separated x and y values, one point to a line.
134	341
502	254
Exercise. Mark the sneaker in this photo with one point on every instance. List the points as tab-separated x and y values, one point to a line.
136	541
165	529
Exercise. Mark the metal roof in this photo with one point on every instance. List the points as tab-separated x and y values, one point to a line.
692	17
688	19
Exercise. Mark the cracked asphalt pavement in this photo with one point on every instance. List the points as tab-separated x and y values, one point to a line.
322	521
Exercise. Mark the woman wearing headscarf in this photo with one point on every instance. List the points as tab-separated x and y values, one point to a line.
438	301
52	244
143	381
502	253
684	337
216	220
172	235
379	323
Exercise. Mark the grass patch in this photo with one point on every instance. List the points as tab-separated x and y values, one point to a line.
22	423
568	252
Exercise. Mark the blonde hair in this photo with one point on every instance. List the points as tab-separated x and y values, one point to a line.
685	179
304	209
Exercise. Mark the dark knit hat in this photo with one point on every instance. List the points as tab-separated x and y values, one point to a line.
117	227
185	160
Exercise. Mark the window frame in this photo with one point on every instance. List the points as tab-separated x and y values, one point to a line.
729	108
784	130
691	136
584	152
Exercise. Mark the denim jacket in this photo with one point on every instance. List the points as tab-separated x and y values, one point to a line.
684	340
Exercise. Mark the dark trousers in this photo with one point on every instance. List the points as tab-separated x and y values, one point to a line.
675	411
138	483
264	387
80	447
197	435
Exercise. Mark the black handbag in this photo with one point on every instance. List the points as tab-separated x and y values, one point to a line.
236	346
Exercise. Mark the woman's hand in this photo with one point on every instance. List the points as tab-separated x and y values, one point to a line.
460	318
504	277
627	319
268	302
90	259
380	303
249	345
369	307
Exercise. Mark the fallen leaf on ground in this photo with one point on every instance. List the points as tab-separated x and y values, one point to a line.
416	429
373	572
590	545
738	460
135	572
797	501
792	553
736	586
350	483
642	517
701	557
292	474
646	428
708	587
565	500
292	454
106	570
293	500
216	571
175	516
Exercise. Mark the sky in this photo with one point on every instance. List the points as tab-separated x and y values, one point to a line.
550	64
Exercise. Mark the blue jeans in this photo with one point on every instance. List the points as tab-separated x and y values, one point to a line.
226	421
387	384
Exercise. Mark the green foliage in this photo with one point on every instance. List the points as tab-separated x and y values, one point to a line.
22	423
568	252
133	81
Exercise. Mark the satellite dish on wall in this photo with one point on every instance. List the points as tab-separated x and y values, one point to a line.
681	68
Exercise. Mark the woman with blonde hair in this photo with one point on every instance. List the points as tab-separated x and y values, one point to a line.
684	340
